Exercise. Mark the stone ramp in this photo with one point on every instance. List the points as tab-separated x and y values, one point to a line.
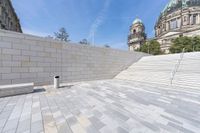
188	74
158	69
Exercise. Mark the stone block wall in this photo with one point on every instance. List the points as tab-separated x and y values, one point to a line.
26	58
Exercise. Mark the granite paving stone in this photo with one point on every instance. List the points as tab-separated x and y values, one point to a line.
105	106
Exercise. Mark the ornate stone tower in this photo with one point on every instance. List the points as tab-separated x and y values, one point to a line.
137	35
8	17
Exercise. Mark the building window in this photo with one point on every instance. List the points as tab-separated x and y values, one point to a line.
163	27
185	18
178	22
194	19
173	24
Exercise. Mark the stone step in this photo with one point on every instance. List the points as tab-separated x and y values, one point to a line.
16	89
186	85
158	69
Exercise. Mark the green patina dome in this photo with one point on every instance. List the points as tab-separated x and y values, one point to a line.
137	21
177	4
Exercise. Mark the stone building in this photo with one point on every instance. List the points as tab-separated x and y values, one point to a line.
179	18
8	17
137	35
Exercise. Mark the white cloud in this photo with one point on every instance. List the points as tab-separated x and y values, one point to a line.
99	20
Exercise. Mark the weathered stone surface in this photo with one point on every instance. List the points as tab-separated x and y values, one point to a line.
38	60
107	106
16	89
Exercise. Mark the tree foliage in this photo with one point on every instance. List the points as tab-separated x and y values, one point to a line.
62	35
188	43
196	43
151	47
84	42
107	46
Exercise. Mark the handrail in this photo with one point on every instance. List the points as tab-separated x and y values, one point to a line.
174	71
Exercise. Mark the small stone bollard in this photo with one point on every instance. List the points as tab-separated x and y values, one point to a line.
56	82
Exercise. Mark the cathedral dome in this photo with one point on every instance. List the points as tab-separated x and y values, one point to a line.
137	21
179	18
178	4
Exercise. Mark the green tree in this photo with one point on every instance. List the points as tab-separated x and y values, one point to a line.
151	47
196	43
85	42
106	46
144	48
62	35
181	43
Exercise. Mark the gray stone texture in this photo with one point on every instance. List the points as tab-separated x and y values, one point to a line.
25	58
105	106
16	89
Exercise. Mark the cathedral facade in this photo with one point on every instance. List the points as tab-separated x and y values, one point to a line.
179	18
8	17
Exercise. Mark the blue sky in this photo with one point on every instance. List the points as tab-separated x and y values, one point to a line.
107	20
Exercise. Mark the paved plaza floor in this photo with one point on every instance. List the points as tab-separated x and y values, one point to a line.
108	106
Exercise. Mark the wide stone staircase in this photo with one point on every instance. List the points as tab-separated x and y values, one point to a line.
174	70
188	74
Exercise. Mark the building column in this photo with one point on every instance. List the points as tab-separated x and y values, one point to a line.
131	48
191	19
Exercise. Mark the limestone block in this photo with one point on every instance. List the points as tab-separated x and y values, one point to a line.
20	46
22	80
20	58
20	69
50	60
56	45
4	57
43	54
28	64
28	75
11	63
43	64
11	76
29	53
29	42
11	39
47	49
45	43
5	82
36	48
11	51
5	69
36	59
43	74
5	44
36	69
